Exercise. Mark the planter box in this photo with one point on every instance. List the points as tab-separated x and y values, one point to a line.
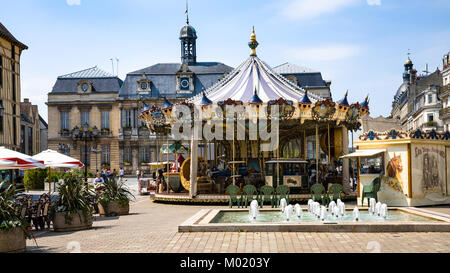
12	240
113	209
78	222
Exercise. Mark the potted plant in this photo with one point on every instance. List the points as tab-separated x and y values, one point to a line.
114	199
13	228
72	211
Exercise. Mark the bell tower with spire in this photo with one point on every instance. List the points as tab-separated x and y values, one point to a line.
188	37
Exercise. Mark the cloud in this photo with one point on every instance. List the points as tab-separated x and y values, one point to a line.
374	2
73	2
324	53
308	9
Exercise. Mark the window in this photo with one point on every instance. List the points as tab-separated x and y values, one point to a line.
2	111
1	70
430	118
127	154
105	119
144	155
128	114
22	139
105	154
430	98
30	140
65	121
14	124
372	165
84	118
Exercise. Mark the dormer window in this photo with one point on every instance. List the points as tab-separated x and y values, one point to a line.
84	87
144	85
185	80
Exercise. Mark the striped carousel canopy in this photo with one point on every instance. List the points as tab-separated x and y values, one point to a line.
252	77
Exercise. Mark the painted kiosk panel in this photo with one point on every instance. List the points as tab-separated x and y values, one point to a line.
293	173
415	167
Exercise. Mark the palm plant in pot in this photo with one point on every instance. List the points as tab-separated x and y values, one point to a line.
73	210
14	229
114	198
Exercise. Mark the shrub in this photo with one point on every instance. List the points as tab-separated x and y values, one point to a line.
115	190
34	179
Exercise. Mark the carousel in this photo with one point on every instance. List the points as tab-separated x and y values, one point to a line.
311	136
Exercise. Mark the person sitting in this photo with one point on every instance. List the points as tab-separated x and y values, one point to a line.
99	179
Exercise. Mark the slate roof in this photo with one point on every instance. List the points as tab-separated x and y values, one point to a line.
4	33
102	81
306	77
163	79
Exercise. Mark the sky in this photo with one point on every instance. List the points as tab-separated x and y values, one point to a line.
359	45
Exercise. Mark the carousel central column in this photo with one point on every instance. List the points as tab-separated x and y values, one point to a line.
345	161
194	166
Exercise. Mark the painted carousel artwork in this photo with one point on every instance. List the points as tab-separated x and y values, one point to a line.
303	118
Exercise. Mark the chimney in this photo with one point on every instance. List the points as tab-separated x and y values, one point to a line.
328	84
26	100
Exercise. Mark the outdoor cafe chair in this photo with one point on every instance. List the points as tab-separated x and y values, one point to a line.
282	192
335	191
318	193
267	193
250	194
233	191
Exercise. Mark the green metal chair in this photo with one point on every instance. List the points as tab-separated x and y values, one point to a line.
250	194
318	193
371	191
282	192
233	191
267	194
335	191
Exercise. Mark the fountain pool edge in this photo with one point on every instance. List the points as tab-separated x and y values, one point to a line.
201	222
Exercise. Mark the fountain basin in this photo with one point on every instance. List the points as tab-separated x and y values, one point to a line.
272	220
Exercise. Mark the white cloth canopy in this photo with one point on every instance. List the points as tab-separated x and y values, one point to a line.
53	159
10	159
364	153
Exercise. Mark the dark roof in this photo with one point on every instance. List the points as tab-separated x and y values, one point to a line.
43	122
163	79
105	85
197	68
188	31
313	79
4	33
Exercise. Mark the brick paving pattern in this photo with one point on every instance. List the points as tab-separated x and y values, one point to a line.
152	227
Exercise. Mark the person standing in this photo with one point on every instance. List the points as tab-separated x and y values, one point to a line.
121	173
138	174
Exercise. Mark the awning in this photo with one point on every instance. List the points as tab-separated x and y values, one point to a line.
365	153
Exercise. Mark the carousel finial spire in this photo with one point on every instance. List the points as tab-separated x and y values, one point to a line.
253	44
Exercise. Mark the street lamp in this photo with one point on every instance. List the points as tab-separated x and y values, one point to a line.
85	134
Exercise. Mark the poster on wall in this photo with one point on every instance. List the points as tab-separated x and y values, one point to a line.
428	169
394	183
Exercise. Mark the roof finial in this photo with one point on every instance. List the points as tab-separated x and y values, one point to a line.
253	44
187	12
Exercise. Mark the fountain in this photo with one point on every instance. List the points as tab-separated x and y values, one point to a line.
341	207
383	211
323	213
356	214
377	208
254	211
331	207
310	202
283	204
372	202
298	210
336	211
288	212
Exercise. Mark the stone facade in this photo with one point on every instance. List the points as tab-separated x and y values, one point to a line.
411	106
10	53
444	92
85	97
30	128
